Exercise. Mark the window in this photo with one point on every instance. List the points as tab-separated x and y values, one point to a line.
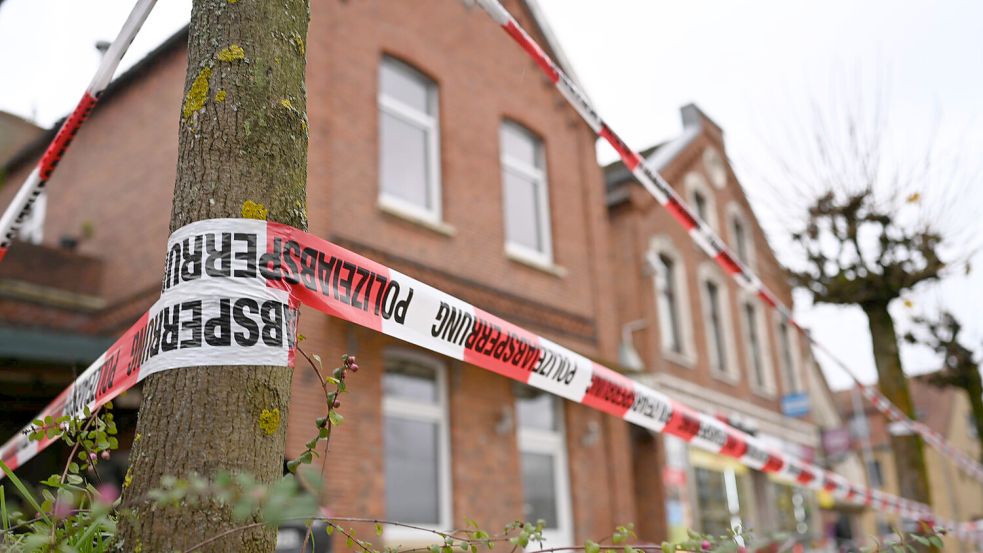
787	352
741	237
542	449
875	474
719	498
32	228
671	301
718	352
416	440
665	278
718	323
715	167
526	198
409	144
701	198
757	348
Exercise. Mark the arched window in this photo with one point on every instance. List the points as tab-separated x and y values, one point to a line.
672	301
409	142
788	355
741	235
715	167
717	323
756	346
701	198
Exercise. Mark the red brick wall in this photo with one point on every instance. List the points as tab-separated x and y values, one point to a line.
119	176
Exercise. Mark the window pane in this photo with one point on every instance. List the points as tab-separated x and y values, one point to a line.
403	163
668	309
522	211
740	241
412	486
700	204
717	355
539	488
787	364
405	380
520	145
400	82
536	410
711	498
750	320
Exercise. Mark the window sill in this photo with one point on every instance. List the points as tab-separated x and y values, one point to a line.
394	209
683	359
520	256
396	536
725	377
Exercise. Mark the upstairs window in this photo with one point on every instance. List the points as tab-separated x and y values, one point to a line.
526	197
668	304
409	143
785	339
701	198
700	204
715	322
416	441
756	345
741	237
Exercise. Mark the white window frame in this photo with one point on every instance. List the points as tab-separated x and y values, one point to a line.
662	245
554	443
694	182
419	411
710	156
795	370
735	216
431	125
710	273
537	175
766	387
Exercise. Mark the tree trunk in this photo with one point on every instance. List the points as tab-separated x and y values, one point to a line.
909	454
242	136
974	388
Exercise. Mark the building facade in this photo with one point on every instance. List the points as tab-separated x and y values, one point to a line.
955	495
437	149
692	332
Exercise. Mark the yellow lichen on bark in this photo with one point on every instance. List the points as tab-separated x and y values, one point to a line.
253	210
198	94
220	95
232	53
269	420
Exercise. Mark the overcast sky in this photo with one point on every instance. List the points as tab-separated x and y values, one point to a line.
754	67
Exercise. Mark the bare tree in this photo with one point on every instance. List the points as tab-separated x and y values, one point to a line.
242	136
960	369
867	217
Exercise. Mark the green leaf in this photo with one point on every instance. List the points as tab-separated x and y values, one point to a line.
329	529
335	417
378	529
936	541
592	547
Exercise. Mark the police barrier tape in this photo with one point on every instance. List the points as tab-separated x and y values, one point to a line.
230	294
701	233
20	209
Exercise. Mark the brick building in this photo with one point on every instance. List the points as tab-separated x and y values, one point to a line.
699	337
955	495
430	135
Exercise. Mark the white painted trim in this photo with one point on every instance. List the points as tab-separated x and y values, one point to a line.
534	259
662	245
694	182
708	272
538	175
736	214
439	413
398	207
430	124
794	354
553	442
766	387
712	401
719	184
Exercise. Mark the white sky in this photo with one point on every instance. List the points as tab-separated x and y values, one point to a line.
751	66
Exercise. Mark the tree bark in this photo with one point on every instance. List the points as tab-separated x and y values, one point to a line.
242	136
974	389
909	454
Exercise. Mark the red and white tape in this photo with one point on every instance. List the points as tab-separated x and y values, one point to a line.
20	209
230	292
699	231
